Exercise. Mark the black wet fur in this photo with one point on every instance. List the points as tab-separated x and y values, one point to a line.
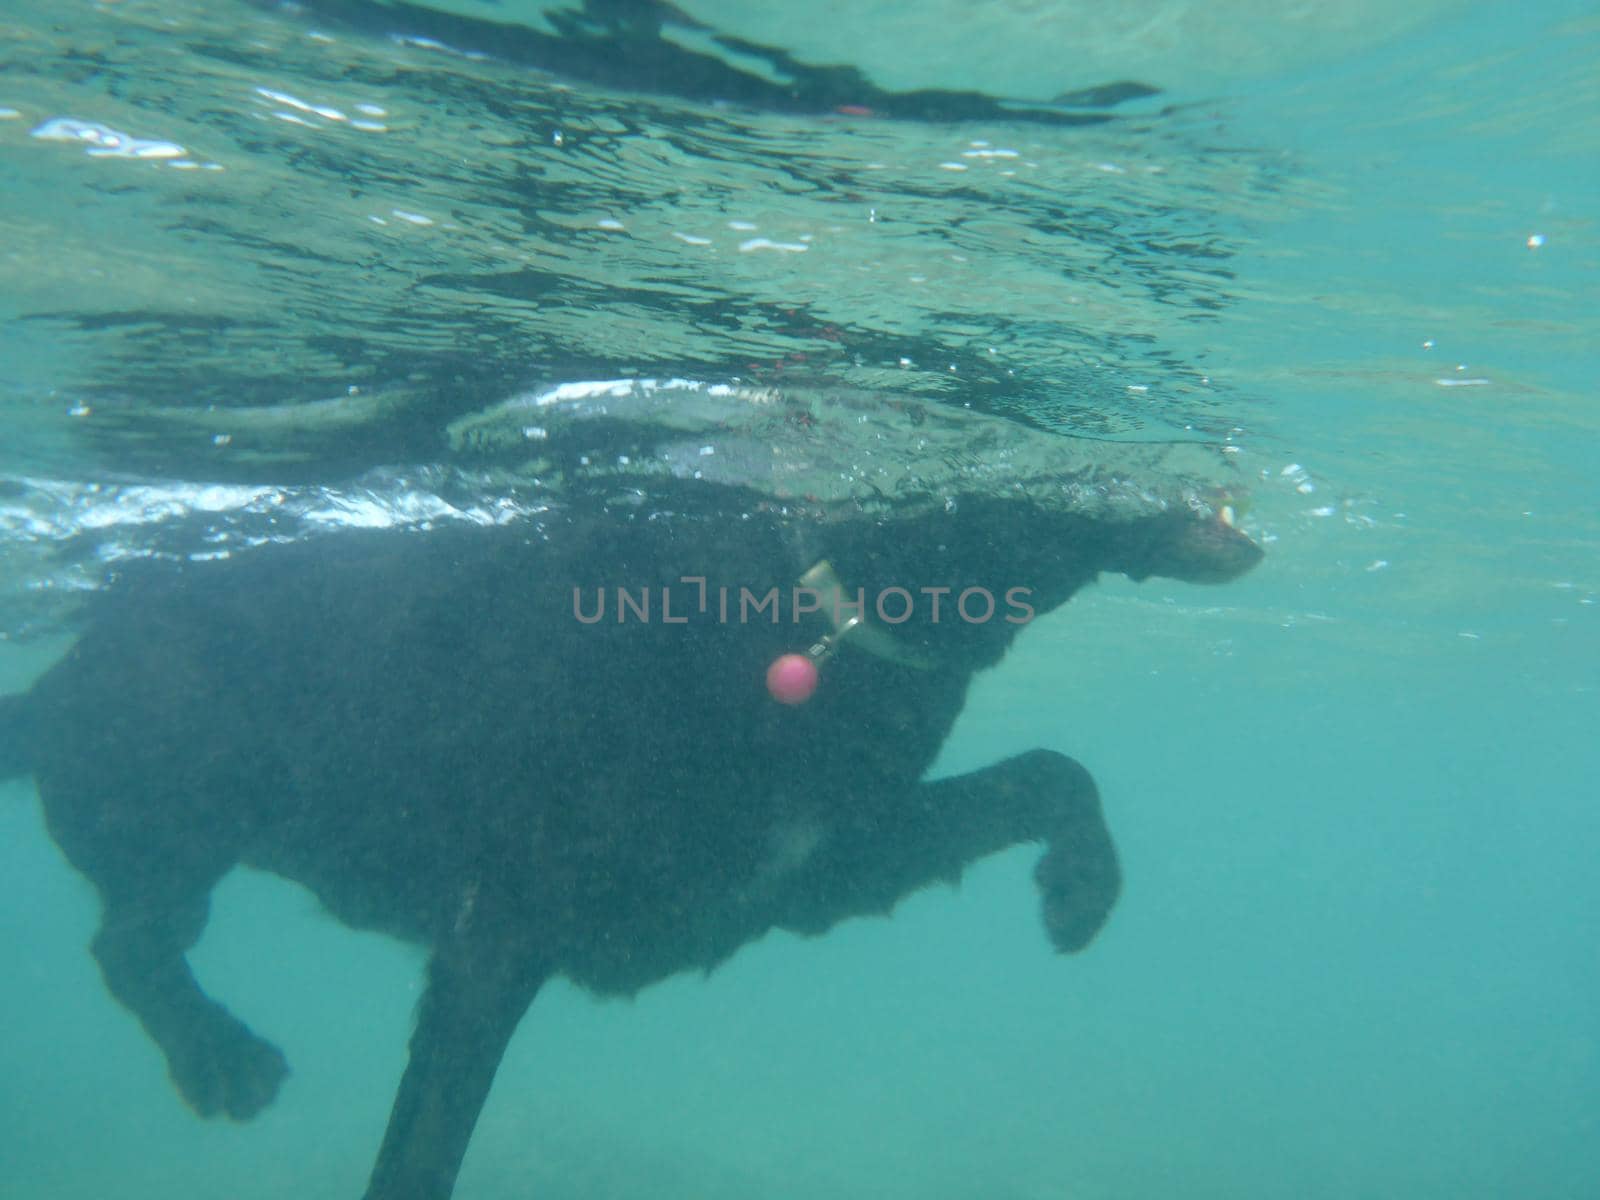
416	727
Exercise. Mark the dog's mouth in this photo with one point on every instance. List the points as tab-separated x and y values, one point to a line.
1194	547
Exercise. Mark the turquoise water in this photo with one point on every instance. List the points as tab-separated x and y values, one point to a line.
1354	791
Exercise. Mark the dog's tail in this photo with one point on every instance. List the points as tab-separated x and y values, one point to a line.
14	736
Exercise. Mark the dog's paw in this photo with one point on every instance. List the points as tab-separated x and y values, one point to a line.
1078	885
223	1069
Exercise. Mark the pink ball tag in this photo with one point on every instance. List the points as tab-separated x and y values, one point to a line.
791	679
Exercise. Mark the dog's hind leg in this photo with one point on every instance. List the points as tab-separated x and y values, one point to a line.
219	1066
155	884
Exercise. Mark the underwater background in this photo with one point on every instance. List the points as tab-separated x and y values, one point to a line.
258	260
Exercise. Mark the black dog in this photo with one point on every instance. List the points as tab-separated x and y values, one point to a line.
431	732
